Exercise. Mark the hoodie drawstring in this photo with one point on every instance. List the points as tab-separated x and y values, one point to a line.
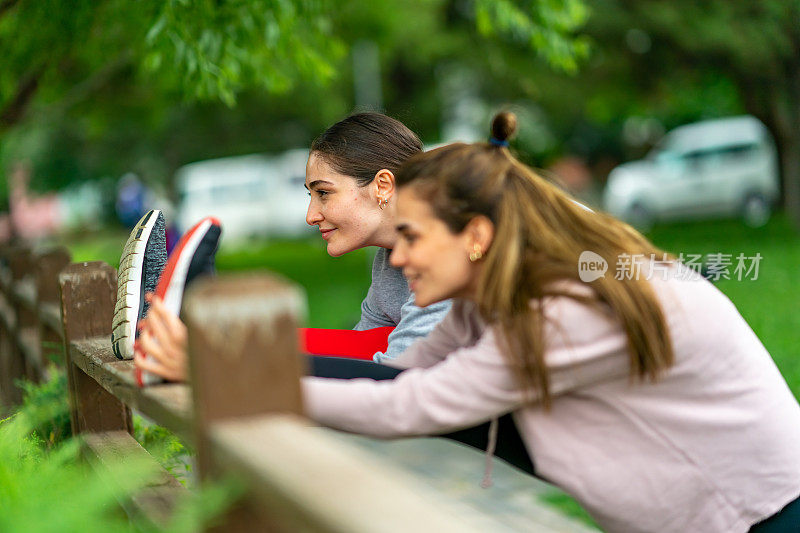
487	473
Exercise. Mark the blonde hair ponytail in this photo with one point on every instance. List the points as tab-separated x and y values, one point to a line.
540	233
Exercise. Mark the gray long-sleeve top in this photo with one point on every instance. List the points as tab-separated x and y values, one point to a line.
389	302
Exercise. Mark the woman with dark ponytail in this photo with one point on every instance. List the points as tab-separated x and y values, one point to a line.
644	393
350	177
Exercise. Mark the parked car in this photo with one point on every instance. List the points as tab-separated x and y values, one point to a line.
713	168
252	195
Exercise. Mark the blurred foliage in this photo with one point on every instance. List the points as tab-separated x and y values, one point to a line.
46	408
162	444
547	26
102	89
46	490
44	487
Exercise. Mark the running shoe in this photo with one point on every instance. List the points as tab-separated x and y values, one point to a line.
192	257
143	259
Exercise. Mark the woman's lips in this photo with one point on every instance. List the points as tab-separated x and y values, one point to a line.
326	233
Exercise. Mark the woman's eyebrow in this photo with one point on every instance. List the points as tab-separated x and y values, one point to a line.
317	183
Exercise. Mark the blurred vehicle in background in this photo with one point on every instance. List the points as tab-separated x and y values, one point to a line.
713	168
251	195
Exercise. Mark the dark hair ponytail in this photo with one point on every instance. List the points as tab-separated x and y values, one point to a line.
364	143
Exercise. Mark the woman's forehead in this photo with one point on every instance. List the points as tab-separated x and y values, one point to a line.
411	206
318	169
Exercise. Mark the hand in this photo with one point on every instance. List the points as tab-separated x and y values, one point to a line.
163	338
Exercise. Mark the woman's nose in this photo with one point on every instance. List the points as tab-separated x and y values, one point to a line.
313	215
398	256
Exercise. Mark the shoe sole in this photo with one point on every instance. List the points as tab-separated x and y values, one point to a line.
143	258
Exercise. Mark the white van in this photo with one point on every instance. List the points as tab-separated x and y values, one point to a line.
251	195
723	167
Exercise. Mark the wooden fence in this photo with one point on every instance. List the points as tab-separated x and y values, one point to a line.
242	412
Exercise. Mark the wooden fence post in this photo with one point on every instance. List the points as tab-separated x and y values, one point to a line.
47	266
88	295
15	366
10	394
244	359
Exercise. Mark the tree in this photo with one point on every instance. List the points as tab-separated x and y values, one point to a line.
103	88
209	49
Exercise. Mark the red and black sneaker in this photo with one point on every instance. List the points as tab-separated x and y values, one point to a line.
192	257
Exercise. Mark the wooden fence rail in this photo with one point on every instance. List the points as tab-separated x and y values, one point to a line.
242	411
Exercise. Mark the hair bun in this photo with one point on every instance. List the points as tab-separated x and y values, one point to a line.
504	126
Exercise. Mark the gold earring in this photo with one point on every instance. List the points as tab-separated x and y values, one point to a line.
476	253
382	202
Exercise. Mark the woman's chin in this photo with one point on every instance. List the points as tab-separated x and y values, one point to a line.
336	251
423	301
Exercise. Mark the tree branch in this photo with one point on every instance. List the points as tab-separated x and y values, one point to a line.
15	110
7	5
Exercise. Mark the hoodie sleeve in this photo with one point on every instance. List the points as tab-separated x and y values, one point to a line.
471	384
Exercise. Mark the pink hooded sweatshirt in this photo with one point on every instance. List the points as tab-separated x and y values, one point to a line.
712	446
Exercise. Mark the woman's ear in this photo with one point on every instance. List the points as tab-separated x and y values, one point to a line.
384	184
479	233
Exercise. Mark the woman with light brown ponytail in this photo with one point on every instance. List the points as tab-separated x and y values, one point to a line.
644	393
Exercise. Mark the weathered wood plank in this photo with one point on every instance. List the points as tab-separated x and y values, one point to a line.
7	318
88	295
168	404
159	498
48	264
9	393
28	344
24	293
50	318
305	480
243	361
6	279
243	350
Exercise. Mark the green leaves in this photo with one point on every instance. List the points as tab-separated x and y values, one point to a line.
43	491
45	487
213	50
547	26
